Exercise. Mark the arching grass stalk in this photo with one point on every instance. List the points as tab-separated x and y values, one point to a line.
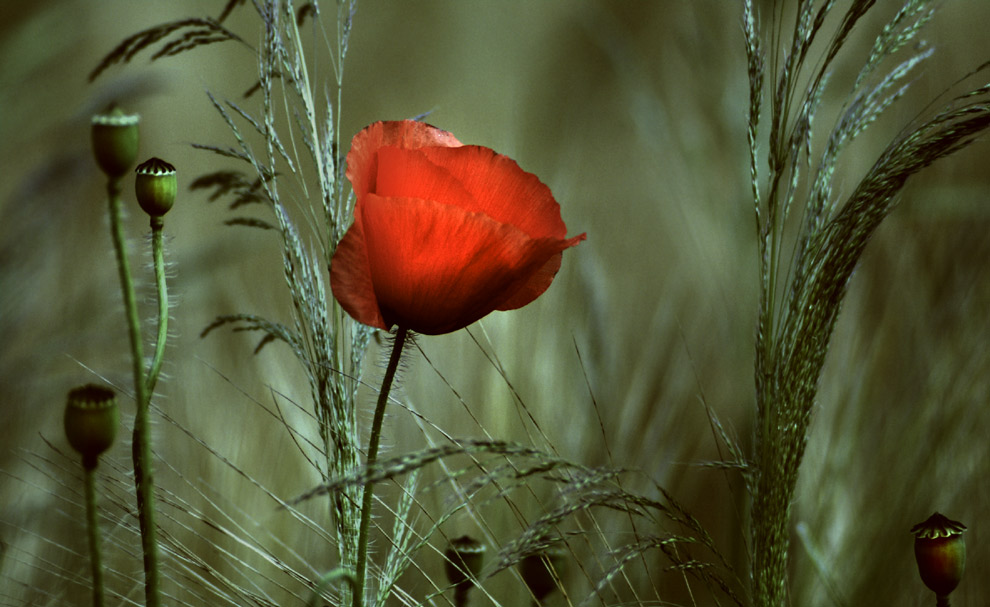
143	477
369	487
340	574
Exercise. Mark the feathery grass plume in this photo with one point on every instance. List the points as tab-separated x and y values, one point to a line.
501	466
800	297
586	511
326	342
586	490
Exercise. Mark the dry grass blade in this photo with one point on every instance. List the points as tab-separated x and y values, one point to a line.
224	183
190	33
250	322
250	222
669	545
226	152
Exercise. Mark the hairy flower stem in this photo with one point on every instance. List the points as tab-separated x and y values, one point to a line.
369	487
141	447
157	248
942	600
93	529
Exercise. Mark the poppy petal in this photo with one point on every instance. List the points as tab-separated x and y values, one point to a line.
410	174
438	268
539	281
443	233
350	278
501	189
362	161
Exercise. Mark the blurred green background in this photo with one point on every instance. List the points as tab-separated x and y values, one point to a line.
634	114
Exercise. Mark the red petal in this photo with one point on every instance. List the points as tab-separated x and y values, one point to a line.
350	278
362	159
539	281
438	268
502	190
410	174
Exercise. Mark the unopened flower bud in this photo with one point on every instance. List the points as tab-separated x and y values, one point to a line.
541	570
940	550
155	186
115	141
91	419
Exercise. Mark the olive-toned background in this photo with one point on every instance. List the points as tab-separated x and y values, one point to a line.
634	114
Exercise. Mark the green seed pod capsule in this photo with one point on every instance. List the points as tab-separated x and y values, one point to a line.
155	186
538	571
463	561
940	550
115	141
91	419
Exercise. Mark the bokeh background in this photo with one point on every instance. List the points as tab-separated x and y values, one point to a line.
634	114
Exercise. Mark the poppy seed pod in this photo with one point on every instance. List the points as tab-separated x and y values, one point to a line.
541	570
940	550
115	141
155	186
464	558
91	419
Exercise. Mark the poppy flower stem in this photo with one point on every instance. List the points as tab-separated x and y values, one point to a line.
143	479
158	252
93	530
369	487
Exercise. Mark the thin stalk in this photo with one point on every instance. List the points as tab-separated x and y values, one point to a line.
141	448
369	487
158	253
461	594
93	529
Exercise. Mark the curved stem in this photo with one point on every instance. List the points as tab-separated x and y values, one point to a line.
93	529
369	487
331	577
158	252
141	447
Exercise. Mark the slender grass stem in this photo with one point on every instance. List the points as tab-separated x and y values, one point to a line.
141	448
158	254
93	529
369	487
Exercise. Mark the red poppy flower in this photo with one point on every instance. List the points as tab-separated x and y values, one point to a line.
443	233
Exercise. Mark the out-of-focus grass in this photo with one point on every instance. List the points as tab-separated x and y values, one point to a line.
634	114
